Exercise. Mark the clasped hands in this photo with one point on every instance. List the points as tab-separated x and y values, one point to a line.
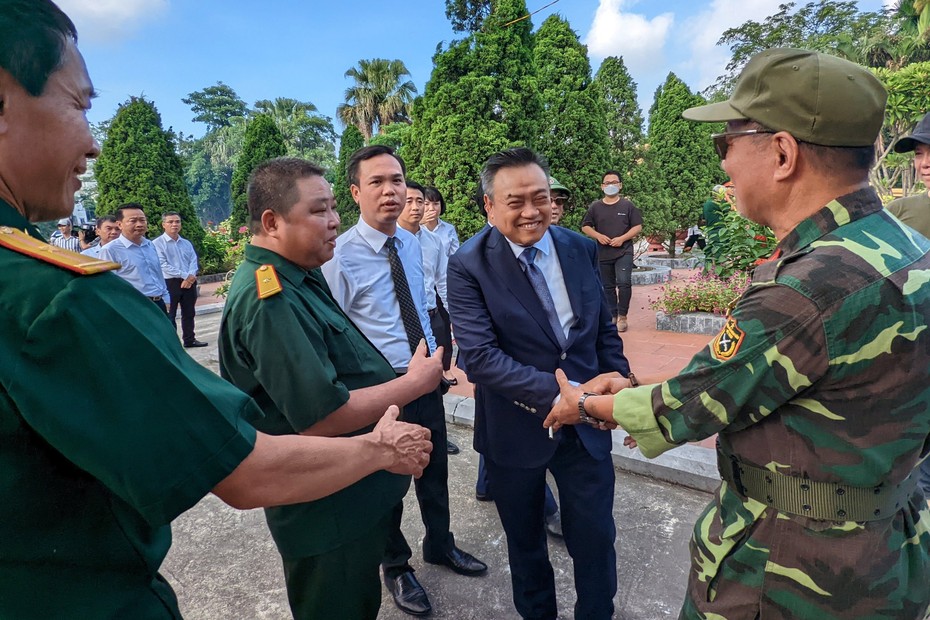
566	410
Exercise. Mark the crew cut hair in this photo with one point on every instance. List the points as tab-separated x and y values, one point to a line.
273	186
369	152
32	47
511	158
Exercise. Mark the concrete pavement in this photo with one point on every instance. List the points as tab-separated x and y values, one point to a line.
223	564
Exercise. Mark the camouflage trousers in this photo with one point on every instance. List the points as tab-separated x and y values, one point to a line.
750	561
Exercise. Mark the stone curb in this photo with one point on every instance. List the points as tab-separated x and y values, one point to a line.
689	466
208	308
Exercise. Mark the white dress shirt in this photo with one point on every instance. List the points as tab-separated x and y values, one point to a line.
359	276
140	265
449	237
547	259
435	266
176	257
94	250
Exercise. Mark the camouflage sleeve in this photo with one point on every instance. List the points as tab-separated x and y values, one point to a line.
772	347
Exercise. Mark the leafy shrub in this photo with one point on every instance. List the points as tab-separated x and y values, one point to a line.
735	244
702	292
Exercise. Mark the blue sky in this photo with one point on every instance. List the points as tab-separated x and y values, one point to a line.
165	49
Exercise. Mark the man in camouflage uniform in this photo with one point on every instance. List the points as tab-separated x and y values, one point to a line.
819	384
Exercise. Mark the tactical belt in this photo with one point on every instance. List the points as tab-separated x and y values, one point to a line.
828	501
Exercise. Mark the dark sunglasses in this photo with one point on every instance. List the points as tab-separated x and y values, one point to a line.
722	140
560	201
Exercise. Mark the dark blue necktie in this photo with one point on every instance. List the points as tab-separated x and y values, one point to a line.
538	281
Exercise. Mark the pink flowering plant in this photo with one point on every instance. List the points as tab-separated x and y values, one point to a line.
702	292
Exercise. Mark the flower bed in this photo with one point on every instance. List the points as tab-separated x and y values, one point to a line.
701	293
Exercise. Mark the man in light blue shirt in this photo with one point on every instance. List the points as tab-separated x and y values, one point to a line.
137	255
107	230
376	276
179	267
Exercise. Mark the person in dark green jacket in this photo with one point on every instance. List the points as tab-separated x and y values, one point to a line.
89	487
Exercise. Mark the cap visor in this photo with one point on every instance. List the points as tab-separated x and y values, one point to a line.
714	113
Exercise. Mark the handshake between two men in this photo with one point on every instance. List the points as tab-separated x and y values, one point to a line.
590	402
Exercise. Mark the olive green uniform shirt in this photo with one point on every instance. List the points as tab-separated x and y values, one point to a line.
824	373
913	211
108	431
298	355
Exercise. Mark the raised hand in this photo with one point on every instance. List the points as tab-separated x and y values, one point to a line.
408	445
425	369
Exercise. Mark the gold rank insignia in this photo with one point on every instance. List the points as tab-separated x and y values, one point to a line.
728	341
267	282
20	242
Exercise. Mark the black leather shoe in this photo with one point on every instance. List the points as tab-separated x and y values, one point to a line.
462	562
451	448
408	594
483	497
194	343
554	525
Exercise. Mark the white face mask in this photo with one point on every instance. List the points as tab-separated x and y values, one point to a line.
611	190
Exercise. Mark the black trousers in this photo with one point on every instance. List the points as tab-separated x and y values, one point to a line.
432	492
617	278
441	324
186	298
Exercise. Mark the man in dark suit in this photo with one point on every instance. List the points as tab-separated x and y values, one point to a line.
526	299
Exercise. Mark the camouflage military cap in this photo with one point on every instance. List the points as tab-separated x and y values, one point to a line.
815	97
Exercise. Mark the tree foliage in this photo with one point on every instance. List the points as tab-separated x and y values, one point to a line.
624	118
352	140
467	15
138	162
263	141
482	97
683	161
307	133
908	101
379	96
572	129
216	105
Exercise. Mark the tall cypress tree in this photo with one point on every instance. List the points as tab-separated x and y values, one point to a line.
685	165
263	141
139	163
481	97
352	140
572	132
617	90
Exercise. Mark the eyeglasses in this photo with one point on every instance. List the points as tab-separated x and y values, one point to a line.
722	140
561	201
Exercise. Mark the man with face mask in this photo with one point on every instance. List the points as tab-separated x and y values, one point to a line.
614	222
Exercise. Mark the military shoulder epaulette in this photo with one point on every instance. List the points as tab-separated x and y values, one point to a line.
267	282
20	242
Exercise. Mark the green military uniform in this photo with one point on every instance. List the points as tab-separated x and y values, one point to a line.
913	211
96	461
299	356
823	372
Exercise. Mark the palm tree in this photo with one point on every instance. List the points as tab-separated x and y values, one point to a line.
379	97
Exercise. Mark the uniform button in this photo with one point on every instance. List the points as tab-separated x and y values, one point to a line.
563	356
533	410
515	403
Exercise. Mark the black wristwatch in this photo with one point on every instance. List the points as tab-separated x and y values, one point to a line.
583	414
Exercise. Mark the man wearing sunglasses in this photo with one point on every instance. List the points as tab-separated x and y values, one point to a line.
818	386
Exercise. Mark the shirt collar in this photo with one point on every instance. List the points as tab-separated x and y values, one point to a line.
543	245
838	212
375	238
126	243
9	216
291	272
